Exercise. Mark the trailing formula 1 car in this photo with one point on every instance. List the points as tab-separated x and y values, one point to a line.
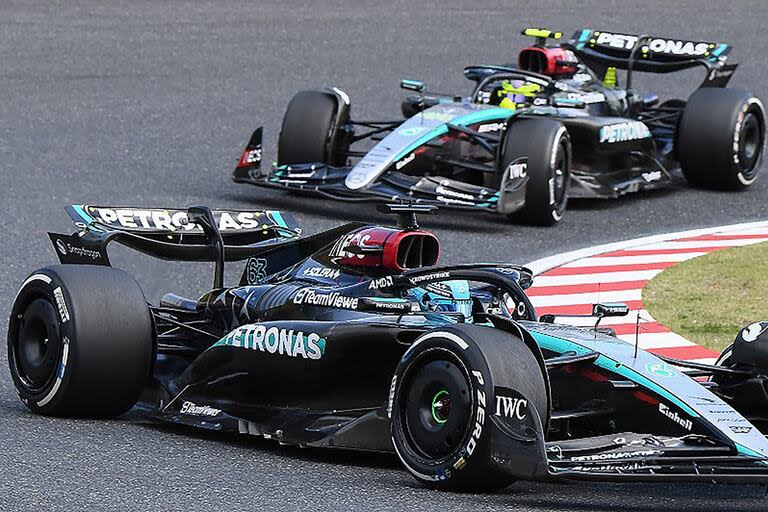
528	137
354	339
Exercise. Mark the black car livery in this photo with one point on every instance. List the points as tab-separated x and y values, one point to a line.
529	136
353	338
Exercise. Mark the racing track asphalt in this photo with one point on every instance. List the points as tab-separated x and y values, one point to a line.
140	102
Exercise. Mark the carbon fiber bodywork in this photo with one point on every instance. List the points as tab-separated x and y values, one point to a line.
448	149
304	348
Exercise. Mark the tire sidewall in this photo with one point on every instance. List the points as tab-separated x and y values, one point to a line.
338	140
110	340
476	441
294	124
751	106
708	138
562	143
54	291
550	140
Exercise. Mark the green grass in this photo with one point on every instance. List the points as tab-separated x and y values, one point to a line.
709	298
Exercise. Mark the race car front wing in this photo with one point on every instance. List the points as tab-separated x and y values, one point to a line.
326	181
630	457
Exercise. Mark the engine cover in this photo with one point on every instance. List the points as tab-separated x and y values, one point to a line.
391	249
556	62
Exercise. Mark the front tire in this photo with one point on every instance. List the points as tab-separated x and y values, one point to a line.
80	341
546	145
311	130
746	392
442	399
720	139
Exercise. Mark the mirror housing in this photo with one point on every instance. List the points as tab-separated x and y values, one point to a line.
568	102
610	309
413	85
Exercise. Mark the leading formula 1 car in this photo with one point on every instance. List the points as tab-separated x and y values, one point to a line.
354	339
528	137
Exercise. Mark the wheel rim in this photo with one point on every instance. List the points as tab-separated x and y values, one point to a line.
437	411
750	142
37	347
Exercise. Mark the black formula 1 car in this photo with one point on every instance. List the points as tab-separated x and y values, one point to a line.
528	137
353	339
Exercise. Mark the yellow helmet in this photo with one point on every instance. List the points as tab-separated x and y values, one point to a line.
516	93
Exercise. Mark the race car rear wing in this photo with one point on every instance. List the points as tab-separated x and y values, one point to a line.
168	233
600	49
195	234
162	222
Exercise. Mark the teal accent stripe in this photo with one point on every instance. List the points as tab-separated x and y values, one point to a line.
743	450
560	345
569	100
480	116
278	218
435	132
583	38
720	49
81	212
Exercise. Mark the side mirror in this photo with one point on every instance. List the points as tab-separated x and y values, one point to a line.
610	309
547	319
565	102
413	85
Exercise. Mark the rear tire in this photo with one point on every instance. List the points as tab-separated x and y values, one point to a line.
80	341
310	132
546	145
720	139
433	439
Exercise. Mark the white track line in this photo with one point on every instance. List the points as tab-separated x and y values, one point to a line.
708	360
585	298
749	231
606	261
630	319
653	340
543	264
694	245
605	277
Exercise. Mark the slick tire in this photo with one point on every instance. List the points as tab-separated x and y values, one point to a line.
310	132
448	447
725	357
546	145
80	341
720	139
746	392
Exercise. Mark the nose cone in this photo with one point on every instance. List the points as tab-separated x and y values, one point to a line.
357	178
372	165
